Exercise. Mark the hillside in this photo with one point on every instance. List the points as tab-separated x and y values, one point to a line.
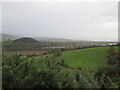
22	44
25	40
84	58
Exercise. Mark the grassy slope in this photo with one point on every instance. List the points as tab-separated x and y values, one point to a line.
91	57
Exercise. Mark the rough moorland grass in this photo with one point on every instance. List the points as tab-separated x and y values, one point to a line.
86	58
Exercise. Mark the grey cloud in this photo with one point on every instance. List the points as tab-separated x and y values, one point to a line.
66	20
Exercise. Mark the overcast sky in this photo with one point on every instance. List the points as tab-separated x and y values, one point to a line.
72	20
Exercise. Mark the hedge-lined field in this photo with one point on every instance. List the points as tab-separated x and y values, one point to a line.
84	58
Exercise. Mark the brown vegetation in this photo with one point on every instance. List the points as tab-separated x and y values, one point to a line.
25	52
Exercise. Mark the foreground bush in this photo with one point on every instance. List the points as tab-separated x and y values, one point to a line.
42	72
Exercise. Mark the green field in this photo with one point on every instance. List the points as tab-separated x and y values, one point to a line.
84	58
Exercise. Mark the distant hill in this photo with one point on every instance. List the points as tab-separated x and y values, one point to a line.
22	44
25	40
4	36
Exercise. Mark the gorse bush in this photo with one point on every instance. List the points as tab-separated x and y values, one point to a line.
108	77
42	72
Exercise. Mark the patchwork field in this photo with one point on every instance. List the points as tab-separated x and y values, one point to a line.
24	52
84	58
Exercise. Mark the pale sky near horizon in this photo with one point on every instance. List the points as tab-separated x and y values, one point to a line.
71	20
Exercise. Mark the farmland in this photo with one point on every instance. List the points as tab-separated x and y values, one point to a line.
34	64
84	58
8	53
